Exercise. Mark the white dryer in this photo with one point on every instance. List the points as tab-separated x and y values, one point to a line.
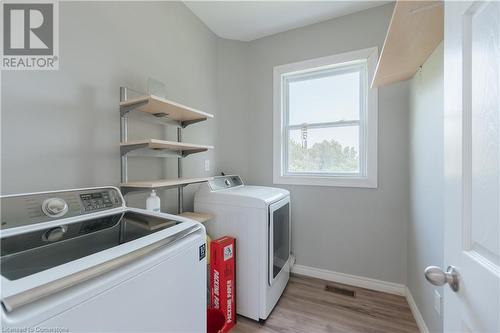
259	218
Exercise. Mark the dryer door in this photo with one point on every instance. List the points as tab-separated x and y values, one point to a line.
279	237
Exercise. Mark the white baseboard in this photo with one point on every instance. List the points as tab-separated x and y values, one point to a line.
416	312
353	280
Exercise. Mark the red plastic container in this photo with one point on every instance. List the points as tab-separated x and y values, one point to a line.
216	322
222	279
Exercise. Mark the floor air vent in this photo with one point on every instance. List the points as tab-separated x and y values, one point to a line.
340	290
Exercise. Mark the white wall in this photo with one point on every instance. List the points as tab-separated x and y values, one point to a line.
60	129
349	230
425	231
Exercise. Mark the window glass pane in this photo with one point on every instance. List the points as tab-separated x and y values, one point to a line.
324	150
324	99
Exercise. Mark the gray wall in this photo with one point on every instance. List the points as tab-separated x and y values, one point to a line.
349	230
425	231
233	108
60	129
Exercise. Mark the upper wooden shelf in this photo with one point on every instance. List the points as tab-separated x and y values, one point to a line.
161	107
162	183
183	148
415	30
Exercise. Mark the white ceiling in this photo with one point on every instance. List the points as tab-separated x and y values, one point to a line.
249	20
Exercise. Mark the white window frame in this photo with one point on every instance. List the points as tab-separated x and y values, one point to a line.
368	123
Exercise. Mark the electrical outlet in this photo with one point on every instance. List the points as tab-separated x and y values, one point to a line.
437	301
207	165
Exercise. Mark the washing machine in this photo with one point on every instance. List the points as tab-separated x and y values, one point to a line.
81	261
259	218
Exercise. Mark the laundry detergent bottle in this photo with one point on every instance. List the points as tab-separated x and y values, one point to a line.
153	202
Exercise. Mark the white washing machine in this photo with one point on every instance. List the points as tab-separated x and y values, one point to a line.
81	261
259	218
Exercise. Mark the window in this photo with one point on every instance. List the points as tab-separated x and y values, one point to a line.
325	121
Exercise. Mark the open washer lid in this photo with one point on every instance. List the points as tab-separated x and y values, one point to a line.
42	253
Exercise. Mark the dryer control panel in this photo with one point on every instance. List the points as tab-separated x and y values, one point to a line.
25	209
224	182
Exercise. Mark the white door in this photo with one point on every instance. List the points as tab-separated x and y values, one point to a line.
472	161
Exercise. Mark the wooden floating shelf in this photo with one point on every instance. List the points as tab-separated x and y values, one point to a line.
199	217
183	148
151	184
161	107
153	224
163	144
415	30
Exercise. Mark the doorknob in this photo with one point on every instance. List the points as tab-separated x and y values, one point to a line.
437	277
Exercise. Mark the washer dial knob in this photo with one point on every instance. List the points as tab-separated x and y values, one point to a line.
54	234
55	207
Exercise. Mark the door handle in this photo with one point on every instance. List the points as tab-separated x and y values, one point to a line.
437	277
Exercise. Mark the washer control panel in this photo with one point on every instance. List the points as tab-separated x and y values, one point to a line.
26	209
96	200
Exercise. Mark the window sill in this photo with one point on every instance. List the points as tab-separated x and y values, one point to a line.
356	182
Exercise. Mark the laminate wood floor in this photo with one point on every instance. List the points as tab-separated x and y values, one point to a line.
306	307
